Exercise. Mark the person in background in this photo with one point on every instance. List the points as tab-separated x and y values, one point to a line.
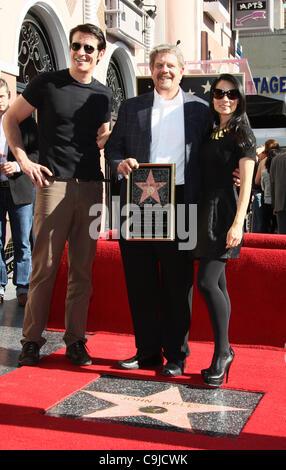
269	218
262	178
16	200
74	112
221	212
278	189
256	225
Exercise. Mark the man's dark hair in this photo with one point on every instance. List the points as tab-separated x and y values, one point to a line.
89	28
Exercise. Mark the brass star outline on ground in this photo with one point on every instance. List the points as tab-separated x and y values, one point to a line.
150	188
166	406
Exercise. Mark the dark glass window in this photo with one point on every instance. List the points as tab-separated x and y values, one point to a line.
114	81
35	53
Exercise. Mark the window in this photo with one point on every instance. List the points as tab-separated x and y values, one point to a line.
35	53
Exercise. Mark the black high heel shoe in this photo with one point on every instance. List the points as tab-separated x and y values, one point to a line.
220	366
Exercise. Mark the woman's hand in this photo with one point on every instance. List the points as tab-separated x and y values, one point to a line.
234	236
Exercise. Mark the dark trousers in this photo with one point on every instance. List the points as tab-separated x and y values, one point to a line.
269	219
159	279
281	221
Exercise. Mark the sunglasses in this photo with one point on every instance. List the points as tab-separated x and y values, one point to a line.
231	94
76	46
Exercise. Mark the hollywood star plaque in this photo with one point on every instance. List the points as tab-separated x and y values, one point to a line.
150	202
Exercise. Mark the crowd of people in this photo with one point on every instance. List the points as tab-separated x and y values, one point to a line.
268	188
214	150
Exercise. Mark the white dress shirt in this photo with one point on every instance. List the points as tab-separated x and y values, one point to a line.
3	148
168	133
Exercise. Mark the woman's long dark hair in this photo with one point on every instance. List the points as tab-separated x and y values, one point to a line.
239	119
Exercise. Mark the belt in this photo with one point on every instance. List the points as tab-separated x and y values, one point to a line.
4	184
67	180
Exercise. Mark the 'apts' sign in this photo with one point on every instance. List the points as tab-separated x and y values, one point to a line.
252	16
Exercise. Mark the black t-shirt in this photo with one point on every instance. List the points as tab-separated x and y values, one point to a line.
69	115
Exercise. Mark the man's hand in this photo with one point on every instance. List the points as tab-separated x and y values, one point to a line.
36	172
125	166
103	134
236	177
102	139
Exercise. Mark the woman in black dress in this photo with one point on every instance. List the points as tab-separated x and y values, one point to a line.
221	211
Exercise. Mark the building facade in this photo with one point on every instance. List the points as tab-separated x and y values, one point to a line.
265	50
34	37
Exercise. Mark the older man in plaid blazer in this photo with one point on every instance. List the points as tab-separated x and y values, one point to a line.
165	125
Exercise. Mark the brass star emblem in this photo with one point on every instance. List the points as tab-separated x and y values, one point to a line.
150	188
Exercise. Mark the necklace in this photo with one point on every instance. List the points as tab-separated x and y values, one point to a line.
218	133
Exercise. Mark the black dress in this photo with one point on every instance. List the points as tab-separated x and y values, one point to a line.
217	205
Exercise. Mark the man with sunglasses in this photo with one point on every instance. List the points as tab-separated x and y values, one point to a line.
73	116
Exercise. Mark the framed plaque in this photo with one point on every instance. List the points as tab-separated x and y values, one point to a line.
151	202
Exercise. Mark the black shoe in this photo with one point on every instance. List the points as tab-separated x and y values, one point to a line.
77	354
30	354
22	300
139	362
172	369
219	369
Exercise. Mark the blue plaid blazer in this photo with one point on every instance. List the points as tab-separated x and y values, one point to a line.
131	136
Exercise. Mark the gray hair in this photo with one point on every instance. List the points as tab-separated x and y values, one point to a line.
171	48
4	84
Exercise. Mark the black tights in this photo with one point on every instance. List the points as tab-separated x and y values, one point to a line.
212	284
